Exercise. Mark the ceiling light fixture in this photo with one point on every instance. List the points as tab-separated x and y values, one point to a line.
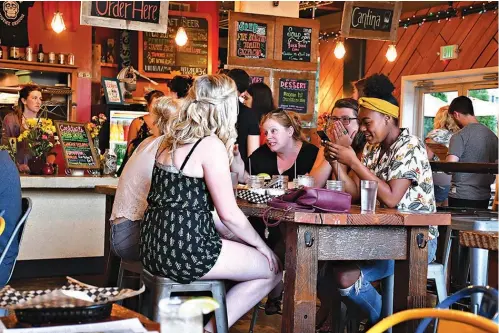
58	23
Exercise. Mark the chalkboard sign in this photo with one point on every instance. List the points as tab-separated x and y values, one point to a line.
371	20
77	145
296	43
293	95
257	79
128	15
251	40
160	53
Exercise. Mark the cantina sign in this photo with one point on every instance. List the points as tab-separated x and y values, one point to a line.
367	20
131	15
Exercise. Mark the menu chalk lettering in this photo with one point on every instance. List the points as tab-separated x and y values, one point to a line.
162	55
251	40
257	79
296	43
139	11
374	19
293	95
77	145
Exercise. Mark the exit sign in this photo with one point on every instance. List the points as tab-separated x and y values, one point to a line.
449	52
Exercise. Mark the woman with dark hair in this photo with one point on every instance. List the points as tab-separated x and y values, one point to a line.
358	88
180	85
28	106
398	162
343	128
142	127
259	98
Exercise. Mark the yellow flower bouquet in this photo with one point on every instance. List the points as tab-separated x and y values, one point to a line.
39	136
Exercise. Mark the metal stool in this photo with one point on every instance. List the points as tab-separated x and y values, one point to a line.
160	287
129	266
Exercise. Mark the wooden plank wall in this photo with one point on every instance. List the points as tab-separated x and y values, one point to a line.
417	46
330	77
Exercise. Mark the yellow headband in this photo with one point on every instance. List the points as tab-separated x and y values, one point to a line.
380	106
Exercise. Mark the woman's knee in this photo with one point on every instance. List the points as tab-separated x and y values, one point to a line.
347	278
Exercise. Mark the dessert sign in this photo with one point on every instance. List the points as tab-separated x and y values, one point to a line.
77	145
128	15
293	95
371	20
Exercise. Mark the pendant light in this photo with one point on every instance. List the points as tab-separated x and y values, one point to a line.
181	37
339	50
58	23
391	54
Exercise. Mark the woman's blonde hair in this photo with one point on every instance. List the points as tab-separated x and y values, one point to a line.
286	119
444	120
210	107
163	109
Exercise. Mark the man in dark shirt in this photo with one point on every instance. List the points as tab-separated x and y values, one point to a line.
248	130
474	143
10	202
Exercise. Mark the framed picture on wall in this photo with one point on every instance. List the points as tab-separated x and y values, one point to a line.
112	90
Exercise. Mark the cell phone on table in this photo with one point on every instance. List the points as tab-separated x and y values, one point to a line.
323	136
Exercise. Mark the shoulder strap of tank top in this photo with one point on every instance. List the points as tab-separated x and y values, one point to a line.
190	153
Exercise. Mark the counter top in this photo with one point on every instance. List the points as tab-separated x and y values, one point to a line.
65	182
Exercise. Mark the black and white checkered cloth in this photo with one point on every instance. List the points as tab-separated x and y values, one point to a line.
253	197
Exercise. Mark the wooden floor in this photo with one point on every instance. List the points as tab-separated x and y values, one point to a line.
265	324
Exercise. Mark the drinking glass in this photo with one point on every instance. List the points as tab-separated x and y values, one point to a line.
304	180
337	185
172	321
255	182
368	194
234	178
280	182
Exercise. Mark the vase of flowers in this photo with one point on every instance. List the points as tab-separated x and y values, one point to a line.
94	127
39	138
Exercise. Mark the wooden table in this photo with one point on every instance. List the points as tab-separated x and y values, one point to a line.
118	313
388	234
479	239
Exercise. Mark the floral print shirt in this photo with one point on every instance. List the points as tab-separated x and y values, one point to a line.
406	159
441	136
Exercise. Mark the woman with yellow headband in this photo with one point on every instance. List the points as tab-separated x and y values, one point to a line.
399	163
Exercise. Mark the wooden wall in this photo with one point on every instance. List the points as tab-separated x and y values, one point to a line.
417	46
330	77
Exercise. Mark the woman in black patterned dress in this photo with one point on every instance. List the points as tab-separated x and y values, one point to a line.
179	238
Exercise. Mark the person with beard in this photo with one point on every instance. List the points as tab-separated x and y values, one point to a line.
474	143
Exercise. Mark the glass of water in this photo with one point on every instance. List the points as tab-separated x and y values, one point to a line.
304	180
368	194
173	322
234	178
337	185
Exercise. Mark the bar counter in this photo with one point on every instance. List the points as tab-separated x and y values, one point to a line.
66	219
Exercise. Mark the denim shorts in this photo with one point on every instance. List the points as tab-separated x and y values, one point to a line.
125	240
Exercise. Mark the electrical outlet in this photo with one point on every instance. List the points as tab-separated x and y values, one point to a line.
85	75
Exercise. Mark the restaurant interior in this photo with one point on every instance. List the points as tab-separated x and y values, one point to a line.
378	214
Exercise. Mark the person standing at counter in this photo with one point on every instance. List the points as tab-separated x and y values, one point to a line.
10	202
14	123
474	143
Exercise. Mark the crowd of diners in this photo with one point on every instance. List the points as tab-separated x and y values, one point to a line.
175	209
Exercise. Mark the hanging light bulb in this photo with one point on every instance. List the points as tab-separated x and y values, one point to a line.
339	50
58	23
391	54
181	37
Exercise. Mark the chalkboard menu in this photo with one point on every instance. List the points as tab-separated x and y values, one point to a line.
77	145
162	55
257	79
296	43
374	19
251	40
293	95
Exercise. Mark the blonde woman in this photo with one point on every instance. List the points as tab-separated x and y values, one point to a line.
444	127
190	176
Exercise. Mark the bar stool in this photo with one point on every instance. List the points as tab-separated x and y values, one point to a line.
129	266
160	287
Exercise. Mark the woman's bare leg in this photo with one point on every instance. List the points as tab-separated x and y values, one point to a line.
238	262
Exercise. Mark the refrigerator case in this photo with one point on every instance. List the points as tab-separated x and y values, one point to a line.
114	133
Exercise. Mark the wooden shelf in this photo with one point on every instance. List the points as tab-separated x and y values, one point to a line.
103	64
37	66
